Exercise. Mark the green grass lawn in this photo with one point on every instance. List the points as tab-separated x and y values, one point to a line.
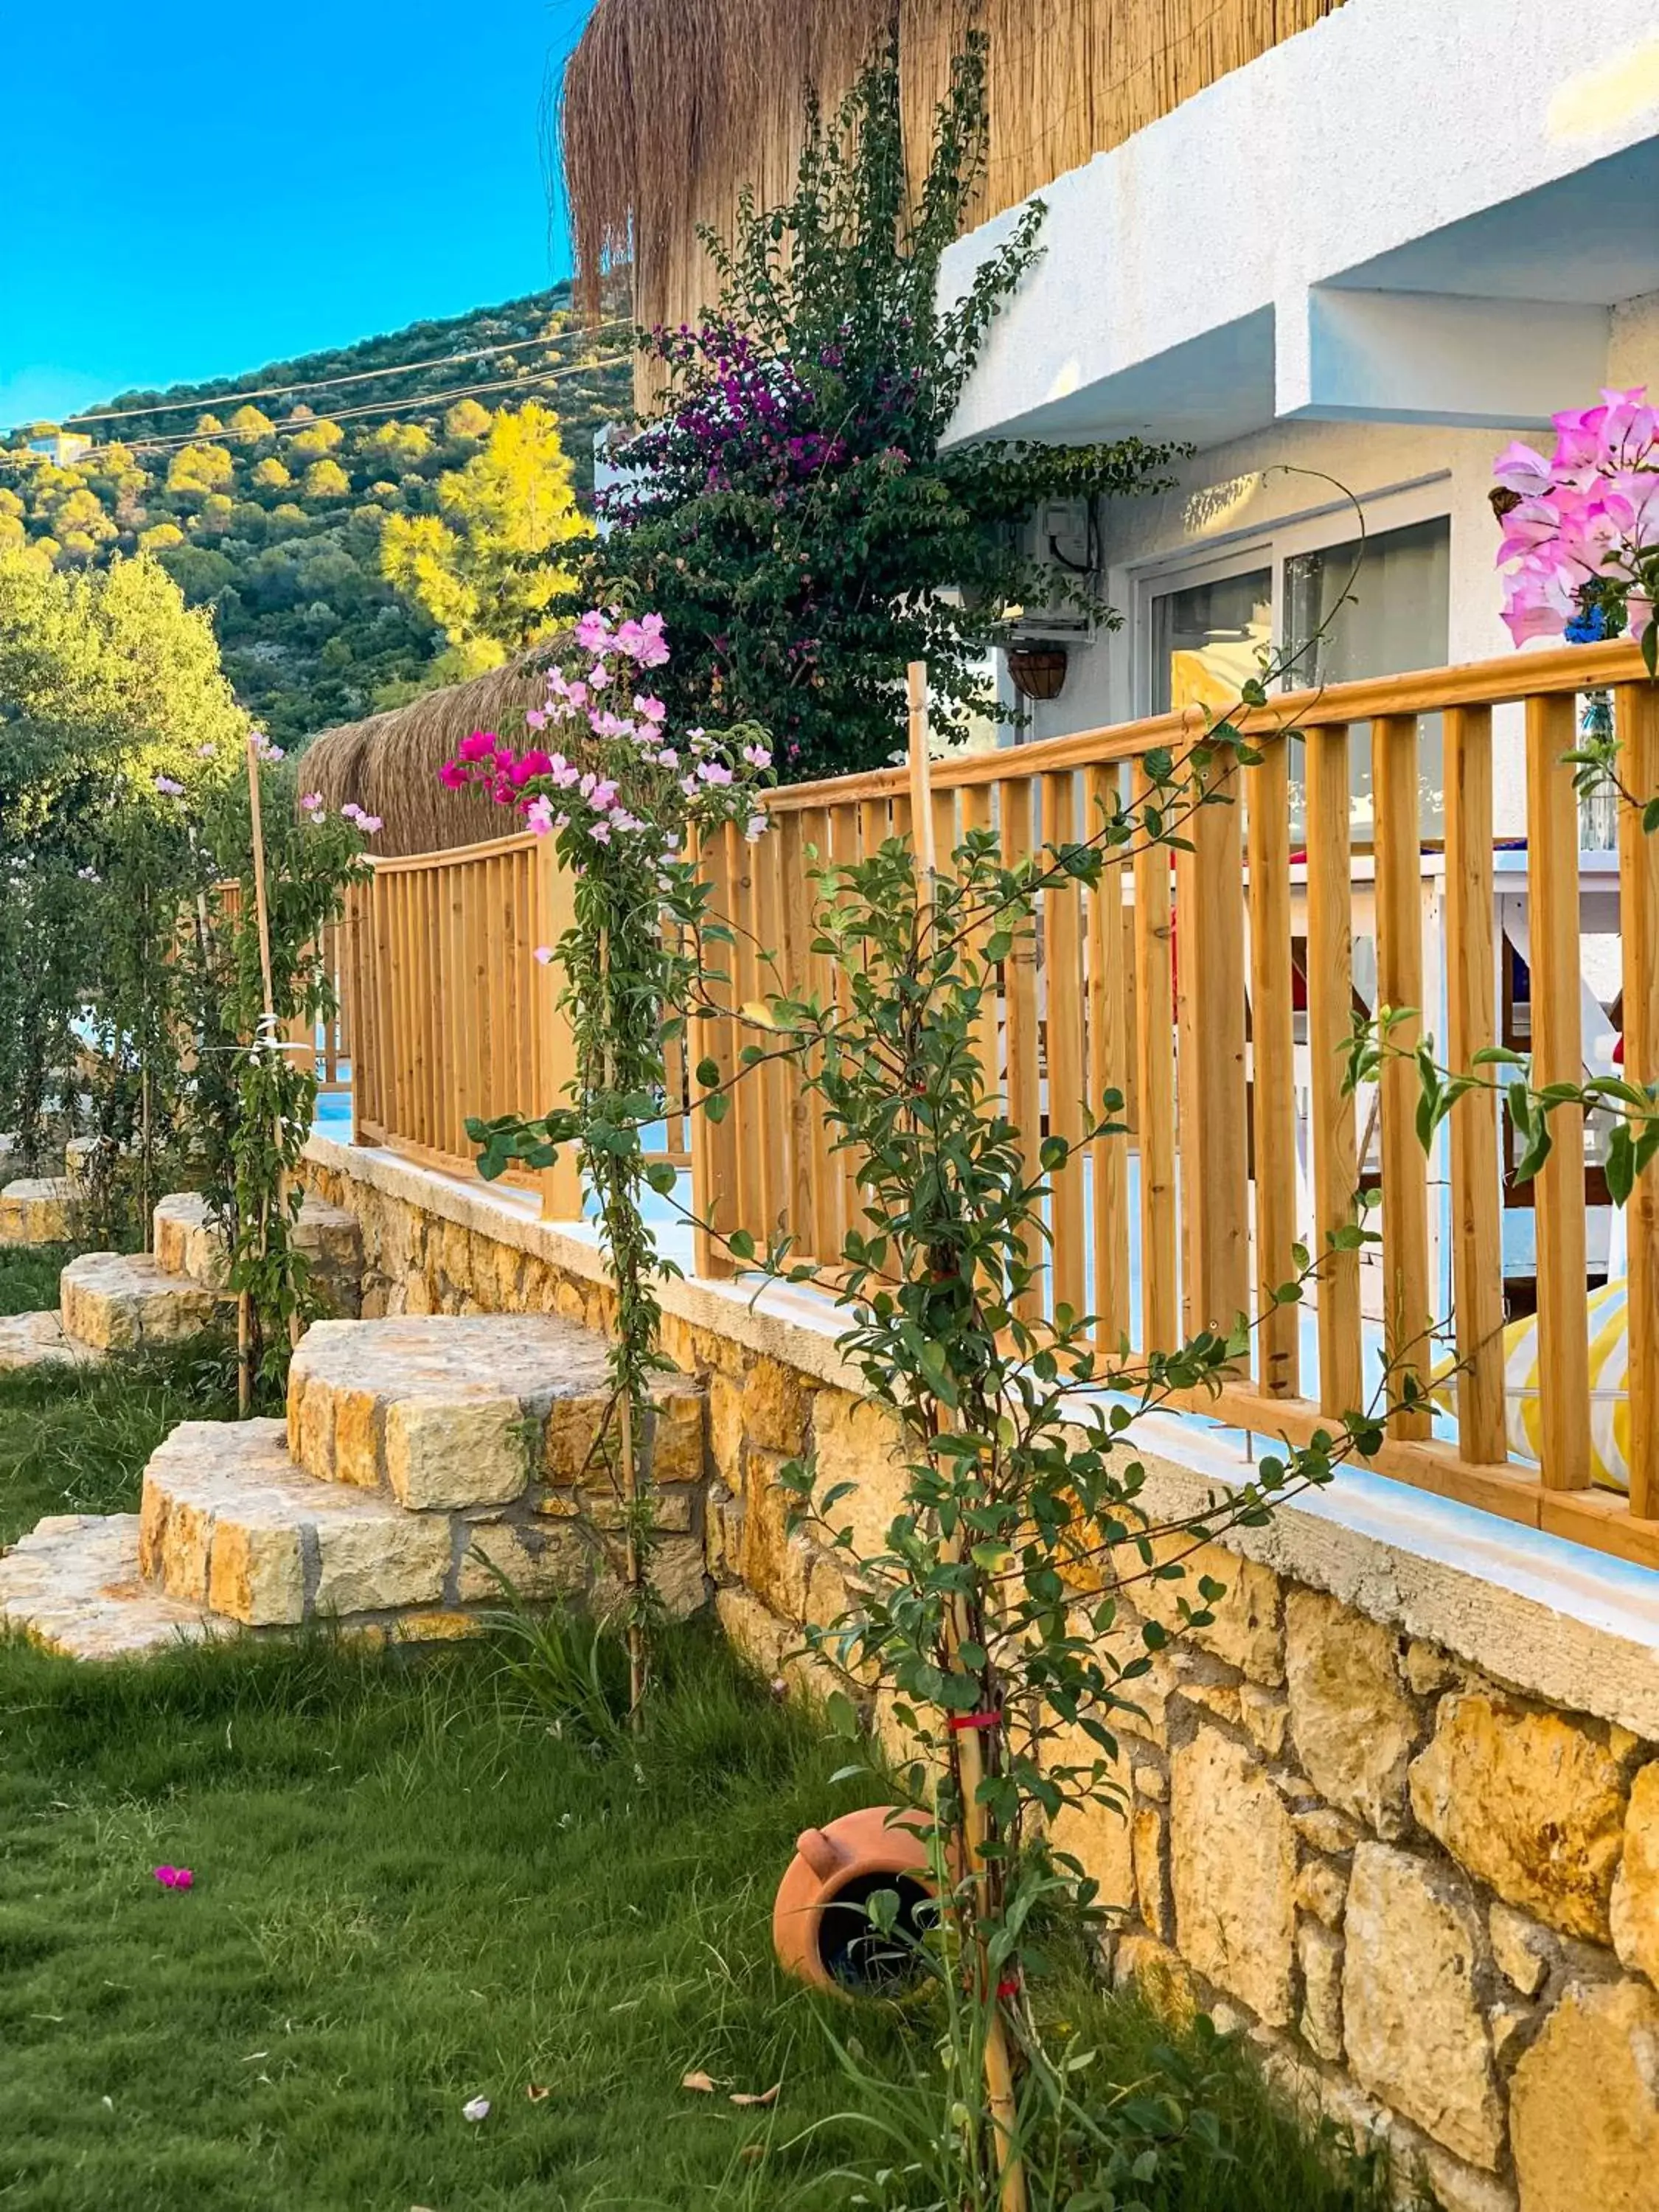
410	1891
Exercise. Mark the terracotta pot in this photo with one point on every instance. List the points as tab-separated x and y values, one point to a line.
820	1922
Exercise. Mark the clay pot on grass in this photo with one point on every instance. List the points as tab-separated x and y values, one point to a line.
820	1923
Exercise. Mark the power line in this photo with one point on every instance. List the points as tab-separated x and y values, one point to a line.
174	441
319	383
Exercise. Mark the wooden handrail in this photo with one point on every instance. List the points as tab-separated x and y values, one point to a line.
1518	677
1177	983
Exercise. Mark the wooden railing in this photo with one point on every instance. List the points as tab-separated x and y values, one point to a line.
451	1014
1178	984
327	1043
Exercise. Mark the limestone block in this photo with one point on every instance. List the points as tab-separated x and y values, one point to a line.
356	1444
1319	1954
1266	1717
853	1440
1151	1876
380	1561
440	1452
540	1564
1531	1802
1506	2023
72	1586
1095	1830
118	1301
1354	1727
1247	1633
678	1406
1324	1830
36	1209
257	1575
1584	2104
774	1562
1321	1888
775	1405
678	1575
1635	1915
1521	1949
726	1428
568	1438
1232	1865
37	1340
1413	2025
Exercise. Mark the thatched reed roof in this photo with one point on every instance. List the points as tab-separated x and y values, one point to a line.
668	108
388	763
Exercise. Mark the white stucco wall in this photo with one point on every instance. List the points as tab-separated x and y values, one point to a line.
1351	154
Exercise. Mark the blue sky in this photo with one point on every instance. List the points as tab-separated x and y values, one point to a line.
187	190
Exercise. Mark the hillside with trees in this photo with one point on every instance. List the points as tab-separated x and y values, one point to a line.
362	523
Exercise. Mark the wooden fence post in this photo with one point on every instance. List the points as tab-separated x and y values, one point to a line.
562	1187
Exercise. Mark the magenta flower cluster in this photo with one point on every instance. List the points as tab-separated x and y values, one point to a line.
1580	545
629	782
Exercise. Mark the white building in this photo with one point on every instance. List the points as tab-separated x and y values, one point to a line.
1347	273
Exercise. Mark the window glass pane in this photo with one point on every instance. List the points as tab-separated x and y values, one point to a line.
1378	607
1208	640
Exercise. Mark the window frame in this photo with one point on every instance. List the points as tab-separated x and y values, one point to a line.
1271	546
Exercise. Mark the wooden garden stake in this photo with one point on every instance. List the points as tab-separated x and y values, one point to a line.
968	1743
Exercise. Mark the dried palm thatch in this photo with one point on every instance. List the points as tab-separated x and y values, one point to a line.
389	762
669	108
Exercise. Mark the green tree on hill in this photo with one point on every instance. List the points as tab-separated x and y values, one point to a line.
481	567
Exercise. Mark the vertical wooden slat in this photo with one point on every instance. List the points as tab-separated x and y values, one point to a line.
945	838
795	955
476	980
1063	1003
1108	1070
823	1183
1330	1003
844	836
747	1108
771	1123
1476	1222
1558	1057
1407	1305
1160	1285
976	816
555	1048
1020	998
714	1179
873	825
1210	941
1636	716
1273	1069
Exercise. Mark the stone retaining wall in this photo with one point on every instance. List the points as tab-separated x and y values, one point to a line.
1399	1824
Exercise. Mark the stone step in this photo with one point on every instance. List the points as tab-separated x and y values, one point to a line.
227	1521
72	1585
189	1242
39	1339
124	1301
448	1412
35	1210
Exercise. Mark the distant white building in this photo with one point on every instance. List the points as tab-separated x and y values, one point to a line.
64	447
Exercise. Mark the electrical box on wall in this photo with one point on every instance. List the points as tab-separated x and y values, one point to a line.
1061	531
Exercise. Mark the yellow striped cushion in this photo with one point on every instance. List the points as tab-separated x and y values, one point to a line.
1609	1402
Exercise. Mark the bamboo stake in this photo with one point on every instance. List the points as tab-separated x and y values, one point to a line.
958	1628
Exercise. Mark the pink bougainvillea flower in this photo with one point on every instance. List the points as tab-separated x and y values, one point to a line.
173	1877
168	788
454	776
714	771
544	954
650	707
539	815
592	631
312	802
535	718
478	746
1522	468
